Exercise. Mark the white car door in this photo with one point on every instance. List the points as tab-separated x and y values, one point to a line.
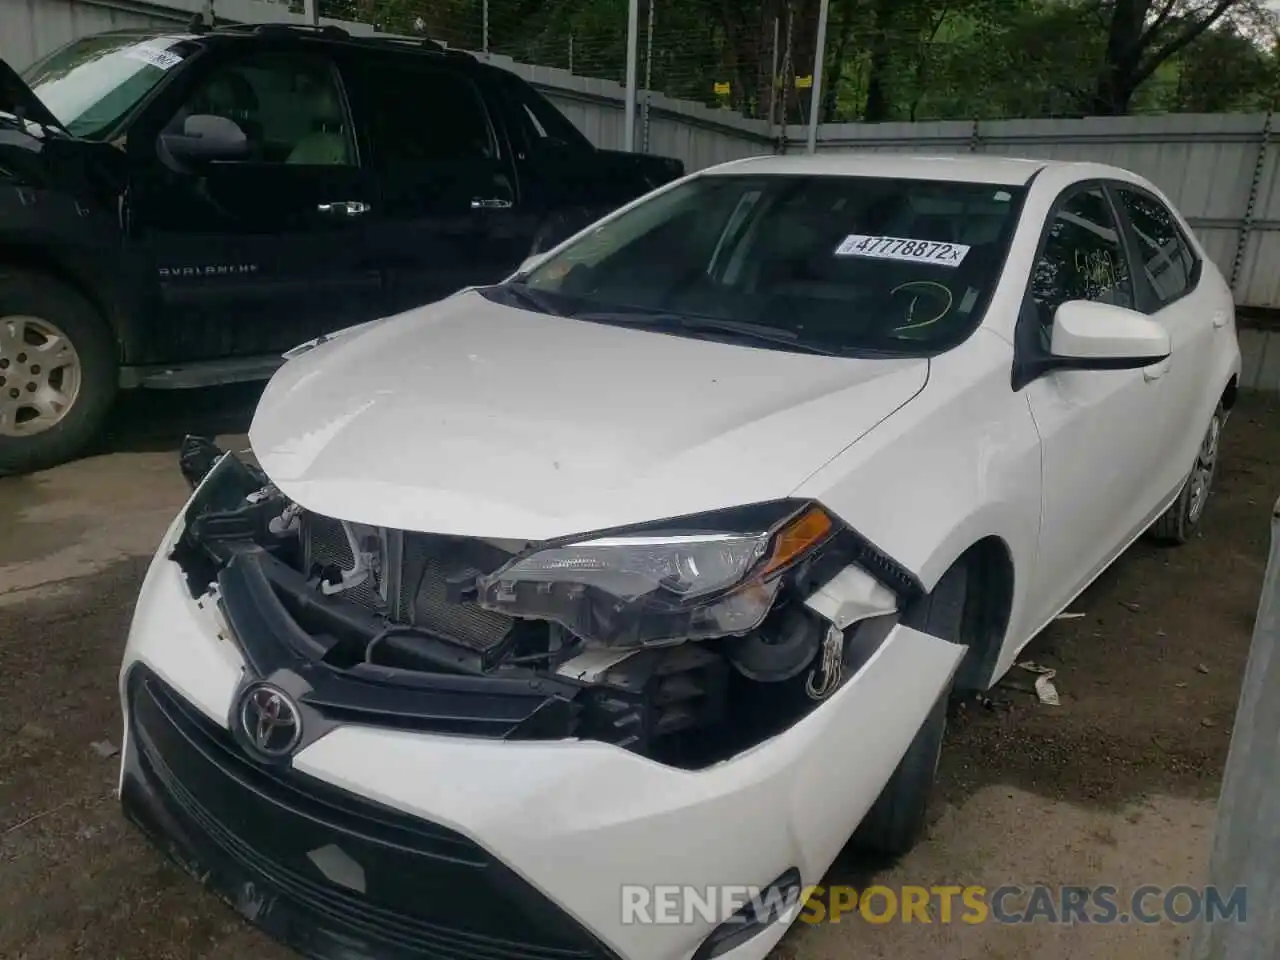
1101	431
1167	289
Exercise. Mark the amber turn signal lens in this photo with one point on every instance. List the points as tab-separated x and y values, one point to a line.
801	534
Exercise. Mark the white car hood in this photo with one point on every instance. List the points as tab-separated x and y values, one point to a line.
467	417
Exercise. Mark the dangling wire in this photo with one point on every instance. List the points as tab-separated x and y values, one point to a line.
831	668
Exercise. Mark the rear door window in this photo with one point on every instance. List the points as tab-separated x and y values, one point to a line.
1167	260
423	116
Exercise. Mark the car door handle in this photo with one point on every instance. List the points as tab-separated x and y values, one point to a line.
1156	370
490	203
1220	318
344	208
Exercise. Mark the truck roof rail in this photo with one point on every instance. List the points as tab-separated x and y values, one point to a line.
304	29
435	46
328	31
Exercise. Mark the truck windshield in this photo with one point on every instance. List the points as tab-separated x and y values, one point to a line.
89	85
841	264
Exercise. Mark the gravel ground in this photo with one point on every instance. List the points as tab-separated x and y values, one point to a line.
1114	786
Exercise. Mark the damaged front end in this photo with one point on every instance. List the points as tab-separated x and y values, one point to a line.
685	640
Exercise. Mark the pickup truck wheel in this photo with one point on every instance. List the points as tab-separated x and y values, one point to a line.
57	372
896	820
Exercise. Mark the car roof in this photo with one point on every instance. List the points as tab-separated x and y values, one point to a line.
962	168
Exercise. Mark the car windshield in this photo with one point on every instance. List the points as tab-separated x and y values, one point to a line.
91	84
832	264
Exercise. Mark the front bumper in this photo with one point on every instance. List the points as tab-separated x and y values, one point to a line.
545	835
322	870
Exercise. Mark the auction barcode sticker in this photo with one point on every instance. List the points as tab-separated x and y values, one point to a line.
156	56
903	248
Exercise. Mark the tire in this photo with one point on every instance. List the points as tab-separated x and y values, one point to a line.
1183	519
36	430
897	819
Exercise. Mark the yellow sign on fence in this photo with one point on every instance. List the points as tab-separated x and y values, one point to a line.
804	83
722	89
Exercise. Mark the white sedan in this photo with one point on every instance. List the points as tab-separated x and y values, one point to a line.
658	563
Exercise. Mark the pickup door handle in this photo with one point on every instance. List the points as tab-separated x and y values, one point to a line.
489	203
344	208
1220	318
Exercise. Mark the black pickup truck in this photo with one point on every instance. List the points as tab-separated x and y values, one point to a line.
177	209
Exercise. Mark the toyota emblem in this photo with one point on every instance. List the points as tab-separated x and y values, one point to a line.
270	720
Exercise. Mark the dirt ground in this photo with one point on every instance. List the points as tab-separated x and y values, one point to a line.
1114	786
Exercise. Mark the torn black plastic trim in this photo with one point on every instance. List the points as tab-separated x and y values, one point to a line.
272	641
850	547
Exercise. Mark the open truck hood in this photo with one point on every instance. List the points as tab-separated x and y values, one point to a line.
18	99
471	418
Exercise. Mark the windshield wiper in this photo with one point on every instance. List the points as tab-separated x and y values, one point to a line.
29	126
700	324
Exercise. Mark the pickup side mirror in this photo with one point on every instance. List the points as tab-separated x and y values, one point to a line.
1100	336
206	137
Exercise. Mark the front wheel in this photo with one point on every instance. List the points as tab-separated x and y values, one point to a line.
1182	520
57	372
897	819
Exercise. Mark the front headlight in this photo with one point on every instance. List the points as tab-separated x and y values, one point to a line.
708	576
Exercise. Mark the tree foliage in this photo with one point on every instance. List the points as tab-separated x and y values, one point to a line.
888	59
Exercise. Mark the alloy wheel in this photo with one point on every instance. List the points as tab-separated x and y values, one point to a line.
1202	473
40	375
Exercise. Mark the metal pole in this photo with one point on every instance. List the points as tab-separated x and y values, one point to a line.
1246	837
310	9
773	79
815	94
571	53
484	25
1250	207
648	78
633	41
788	76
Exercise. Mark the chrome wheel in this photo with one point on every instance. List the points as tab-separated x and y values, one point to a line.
40	375
1202	473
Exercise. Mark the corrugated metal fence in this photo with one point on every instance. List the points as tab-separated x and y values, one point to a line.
1223	171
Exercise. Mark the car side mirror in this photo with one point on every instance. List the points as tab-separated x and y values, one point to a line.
206	137
1099	336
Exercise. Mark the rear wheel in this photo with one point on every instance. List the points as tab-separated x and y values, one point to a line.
57	372
1181	521
896	820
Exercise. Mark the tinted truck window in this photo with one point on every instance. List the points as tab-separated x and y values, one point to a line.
423	115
